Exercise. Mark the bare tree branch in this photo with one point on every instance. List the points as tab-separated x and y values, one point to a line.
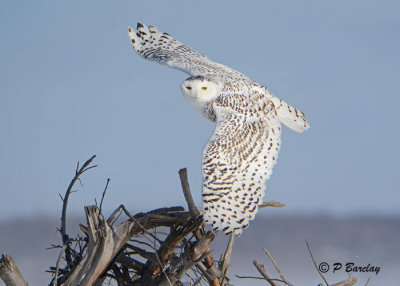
276	267
274	204
250	277
264	273
104	193
348	282
63	230
315	263
225	263
58	265
186	191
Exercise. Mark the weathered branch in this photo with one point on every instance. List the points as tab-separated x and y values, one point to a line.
276	267
315	263
186	192
63	230
187	260
213	274
167	249
225	263
263	272
104	193
274	204
348	282
58	264
9	272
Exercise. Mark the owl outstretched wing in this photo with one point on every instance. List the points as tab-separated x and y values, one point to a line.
237	160
153	45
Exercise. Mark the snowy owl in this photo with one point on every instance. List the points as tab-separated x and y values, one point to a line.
238	158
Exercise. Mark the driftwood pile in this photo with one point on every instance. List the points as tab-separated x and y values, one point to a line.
154	248
166	246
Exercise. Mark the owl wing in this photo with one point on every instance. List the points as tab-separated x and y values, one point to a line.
153	45
237	160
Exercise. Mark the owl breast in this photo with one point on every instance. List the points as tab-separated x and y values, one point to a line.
204	108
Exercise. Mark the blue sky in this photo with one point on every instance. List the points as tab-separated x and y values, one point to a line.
71	86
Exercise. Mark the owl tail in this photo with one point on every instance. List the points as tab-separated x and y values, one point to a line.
290	116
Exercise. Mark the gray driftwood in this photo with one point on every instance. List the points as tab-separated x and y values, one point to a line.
159	247
10	273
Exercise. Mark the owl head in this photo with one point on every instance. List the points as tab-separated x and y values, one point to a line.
200	89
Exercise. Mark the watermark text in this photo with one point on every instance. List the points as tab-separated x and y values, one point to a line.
348	267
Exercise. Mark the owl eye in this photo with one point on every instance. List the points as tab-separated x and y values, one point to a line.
188	87
204	88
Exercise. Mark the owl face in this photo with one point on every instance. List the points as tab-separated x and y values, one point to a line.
200	89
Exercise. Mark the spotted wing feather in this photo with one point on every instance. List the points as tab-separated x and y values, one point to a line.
290	116
153	45
237	161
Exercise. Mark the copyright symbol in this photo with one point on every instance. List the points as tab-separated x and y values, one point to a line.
323	267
